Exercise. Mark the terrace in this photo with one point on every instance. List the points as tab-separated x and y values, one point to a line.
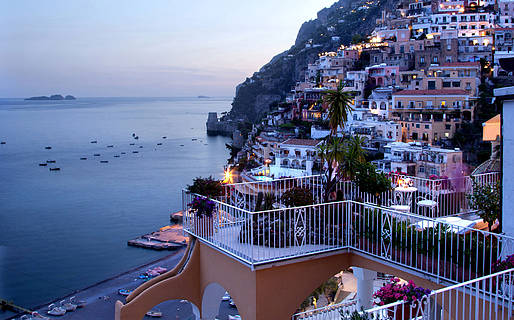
441	242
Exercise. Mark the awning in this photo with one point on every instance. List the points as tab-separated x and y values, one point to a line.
492	129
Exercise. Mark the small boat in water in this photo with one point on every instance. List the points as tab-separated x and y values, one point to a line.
97	155
104	161
83	158
55	169
135	151
159	144
136	137
54	310
123	153
116	156
3	142
194	139
155	313
43	164
181	145
110	146
50	161
78	303
132	144
48	148
164	137
94	141
140	147
124	292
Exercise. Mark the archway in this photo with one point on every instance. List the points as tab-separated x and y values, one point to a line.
216	301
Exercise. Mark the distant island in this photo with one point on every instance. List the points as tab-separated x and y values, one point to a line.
203	97
53	97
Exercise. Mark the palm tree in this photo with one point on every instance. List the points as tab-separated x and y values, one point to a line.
331	154
354	156
339	105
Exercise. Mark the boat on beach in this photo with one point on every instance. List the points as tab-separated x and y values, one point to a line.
78	303
124	292
68	306
54	310
154	313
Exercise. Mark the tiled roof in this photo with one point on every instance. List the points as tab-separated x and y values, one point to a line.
450	92
302	142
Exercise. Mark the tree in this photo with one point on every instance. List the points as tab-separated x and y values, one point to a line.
331	154
339	105
486	199
354	156
370	181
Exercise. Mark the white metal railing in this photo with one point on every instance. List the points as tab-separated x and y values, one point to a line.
442	250
328	312
449	193
488	297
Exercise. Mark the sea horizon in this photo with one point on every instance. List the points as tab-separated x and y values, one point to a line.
76	223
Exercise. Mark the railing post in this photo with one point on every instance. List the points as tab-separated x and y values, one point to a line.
252	259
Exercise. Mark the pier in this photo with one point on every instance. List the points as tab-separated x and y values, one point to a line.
166	238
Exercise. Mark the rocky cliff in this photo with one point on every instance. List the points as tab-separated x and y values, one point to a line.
344	19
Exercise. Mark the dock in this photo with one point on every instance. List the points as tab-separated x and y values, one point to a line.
176	217
166	238
9	305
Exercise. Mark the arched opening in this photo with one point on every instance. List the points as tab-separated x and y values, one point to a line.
217	303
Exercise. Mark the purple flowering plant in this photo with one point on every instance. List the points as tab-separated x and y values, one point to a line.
202	206
394	291
502	265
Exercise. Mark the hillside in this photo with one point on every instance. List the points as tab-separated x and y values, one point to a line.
345	19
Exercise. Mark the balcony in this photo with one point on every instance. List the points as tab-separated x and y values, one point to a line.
435	246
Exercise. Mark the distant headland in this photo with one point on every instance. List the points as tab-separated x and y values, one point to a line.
53	97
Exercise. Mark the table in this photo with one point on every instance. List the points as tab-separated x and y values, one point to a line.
403	195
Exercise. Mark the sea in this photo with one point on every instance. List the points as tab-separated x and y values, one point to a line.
61	231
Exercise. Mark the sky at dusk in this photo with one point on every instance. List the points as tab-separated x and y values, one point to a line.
155	48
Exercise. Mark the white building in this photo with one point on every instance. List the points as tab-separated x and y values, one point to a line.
421	161
376	132
295	158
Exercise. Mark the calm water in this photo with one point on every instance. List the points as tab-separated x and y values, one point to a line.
62	231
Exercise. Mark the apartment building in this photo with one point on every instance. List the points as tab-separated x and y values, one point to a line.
431	115
420	161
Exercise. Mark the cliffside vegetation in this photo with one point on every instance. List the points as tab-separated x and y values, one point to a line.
343	23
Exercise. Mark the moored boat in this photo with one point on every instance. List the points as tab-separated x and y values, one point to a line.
48	148
43	164
55	169
154	313
54	310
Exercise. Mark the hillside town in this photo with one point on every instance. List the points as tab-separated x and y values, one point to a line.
418	84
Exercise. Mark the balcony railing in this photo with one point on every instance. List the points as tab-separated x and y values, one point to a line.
488	297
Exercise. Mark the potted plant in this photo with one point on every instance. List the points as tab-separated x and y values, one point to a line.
506	280
202	207
208	187
369	180
407	292
203	210
486	199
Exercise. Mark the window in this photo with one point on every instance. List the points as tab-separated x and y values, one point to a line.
447	84
411	104
448	127
431	85
456	84
427	126
417	125
421	59
433	171
429	104
421	169
436	60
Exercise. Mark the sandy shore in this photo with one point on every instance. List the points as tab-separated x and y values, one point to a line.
102	296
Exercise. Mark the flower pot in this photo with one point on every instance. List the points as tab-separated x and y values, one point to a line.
204	226
403	312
